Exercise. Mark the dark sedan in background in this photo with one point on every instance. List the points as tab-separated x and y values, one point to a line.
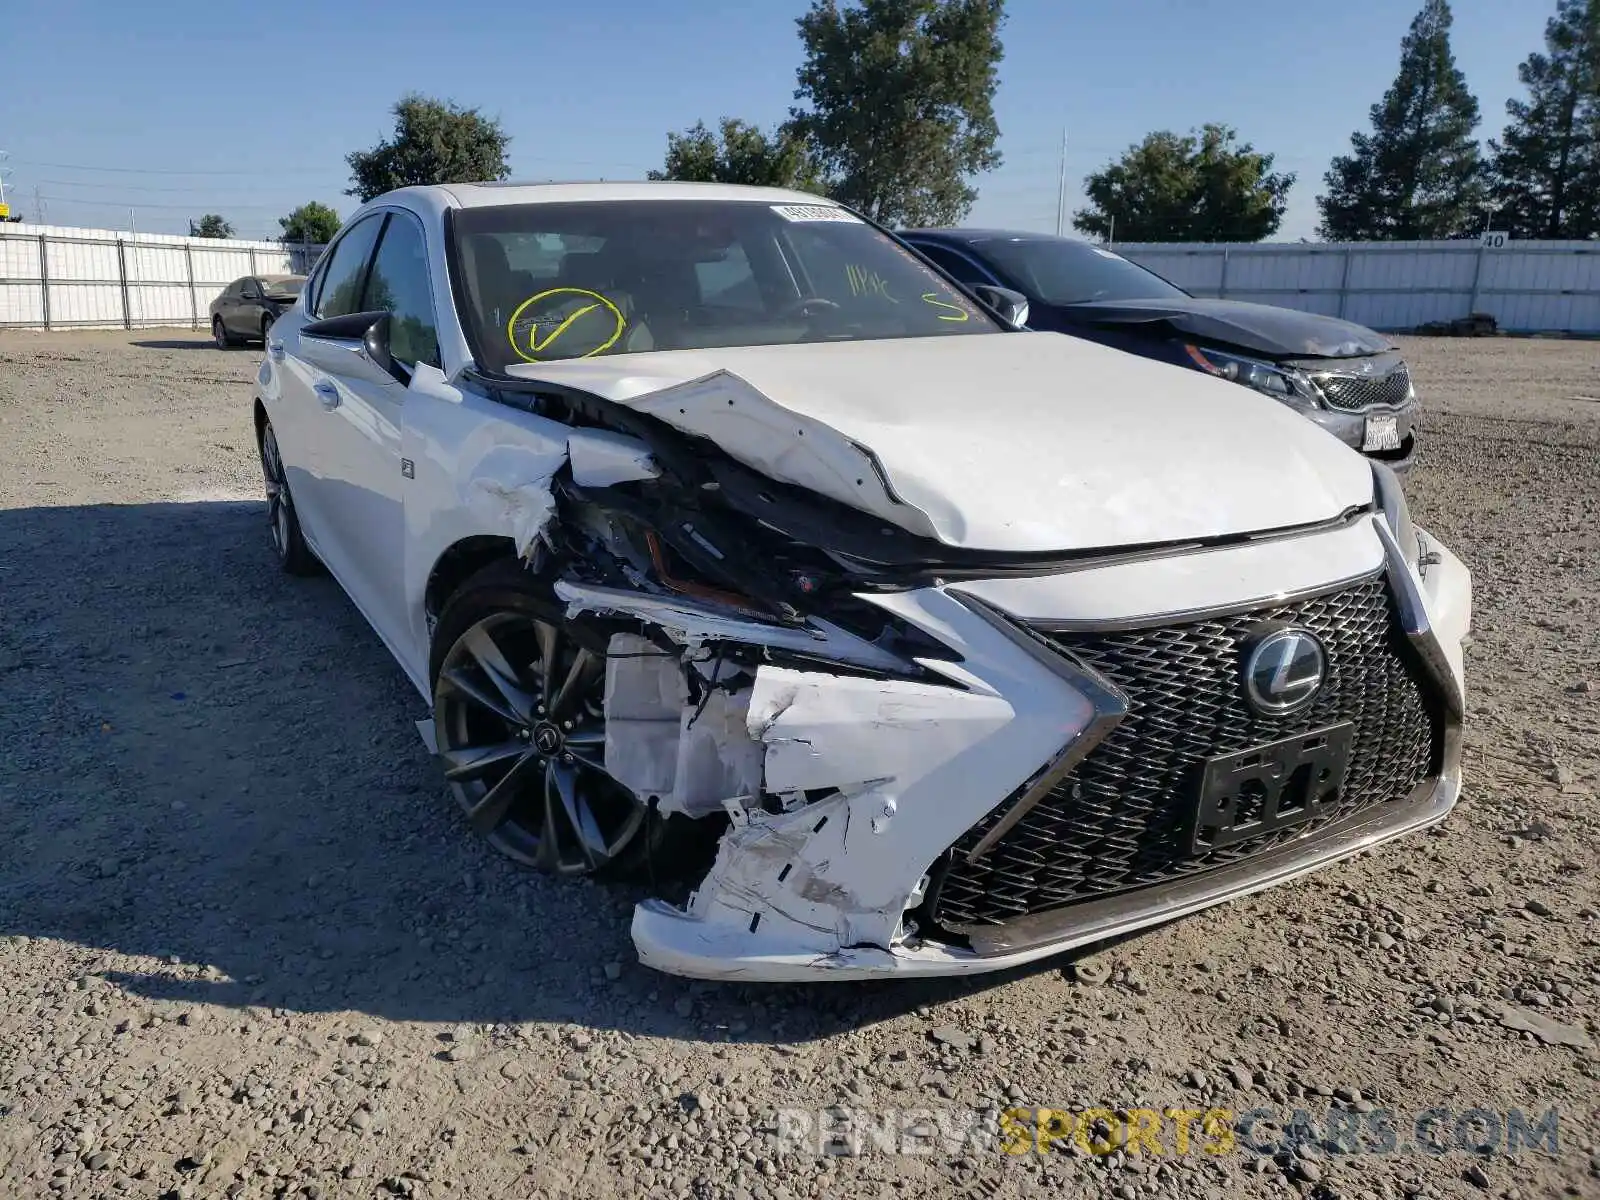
1345	377
248	307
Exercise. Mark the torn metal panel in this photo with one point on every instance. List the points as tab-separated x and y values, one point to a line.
784	444
509	490
694	624
717	759
688	757
780	442
827	866
644	700
602	458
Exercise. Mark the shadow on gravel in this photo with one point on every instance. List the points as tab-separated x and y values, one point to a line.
198	342
214	768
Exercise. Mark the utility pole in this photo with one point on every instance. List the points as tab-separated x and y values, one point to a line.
1061	188
4	212
38	207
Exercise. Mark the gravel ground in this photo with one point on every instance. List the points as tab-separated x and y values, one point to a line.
249	950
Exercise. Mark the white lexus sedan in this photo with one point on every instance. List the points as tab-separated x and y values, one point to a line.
728	539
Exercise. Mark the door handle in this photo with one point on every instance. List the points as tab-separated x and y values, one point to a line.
328	394
275	349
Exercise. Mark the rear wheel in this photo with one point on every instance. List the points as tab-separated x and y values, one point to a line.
294	556
519	719
219	334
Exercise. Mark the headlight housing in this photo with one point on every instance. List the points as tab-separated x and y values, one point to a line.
1281	383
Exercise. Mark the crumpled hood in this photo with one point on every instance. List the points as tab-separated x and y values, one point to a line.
1262	328
1007	442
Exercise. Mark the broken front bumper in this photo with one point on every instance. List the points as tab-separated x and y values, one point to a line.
1353	429
839	888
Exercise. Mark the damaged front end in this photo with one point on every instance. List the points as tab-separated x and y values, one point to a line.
788	670
888	736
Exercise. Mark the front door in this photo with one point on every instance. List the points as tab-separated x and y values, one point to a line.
359	417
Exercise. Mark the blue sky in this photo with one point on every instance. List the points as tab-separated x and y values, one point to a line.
177	108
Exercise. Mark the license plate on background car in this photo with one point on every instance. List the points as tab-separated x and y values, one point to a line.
1266	788
1383	433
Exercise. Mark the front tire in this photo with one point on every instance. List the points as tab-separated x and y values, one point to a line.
294	556
519	719
266	328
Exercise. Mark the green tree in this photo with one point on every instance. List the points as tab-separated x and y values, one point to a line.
741	153
1417	175
210	226
1547	162
434	141
1203	187
312	222
897	103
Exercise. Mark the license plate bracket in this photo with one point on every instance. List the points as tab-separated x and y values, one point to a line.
1270	787
1381	433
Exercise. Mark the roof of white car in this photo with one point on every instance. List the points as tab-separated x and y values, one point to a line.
483	195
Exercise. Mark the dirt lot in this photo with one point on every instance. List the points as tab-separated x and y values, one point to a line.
248	949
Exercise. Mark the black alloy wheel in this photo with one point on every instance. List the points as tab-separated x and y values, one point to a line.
520	724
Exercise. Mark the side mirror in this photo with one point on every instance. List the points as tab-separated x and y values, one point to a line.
357	344
1010	306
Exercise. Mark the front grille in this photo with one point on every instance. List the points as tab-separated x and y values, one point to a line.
1120	820
1352	393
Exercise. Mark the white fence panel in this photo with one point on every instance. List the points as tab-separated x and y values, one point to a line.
1528	287
96	262
21	304
55	275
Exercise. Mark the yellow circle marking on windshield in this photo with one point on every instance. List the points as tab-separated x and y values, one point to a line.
535	346
932	298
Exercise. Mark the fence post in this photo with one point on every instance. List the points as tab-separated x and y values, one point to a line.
44	278
122	278
194	307
1477	280
252	260
1344	279
1222	284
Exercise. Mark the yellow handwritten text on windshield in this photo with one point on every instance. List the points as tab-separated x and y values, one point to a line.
954	312
553	329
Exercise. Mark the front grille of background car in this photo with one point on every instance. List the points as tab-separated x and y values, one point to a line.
1352	393
1121	818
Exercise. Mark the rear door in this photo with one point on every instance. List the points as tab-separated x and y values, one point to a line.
227	302
241	311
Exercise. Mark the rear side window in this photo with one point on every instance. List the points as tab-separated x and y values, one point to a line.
339	293
398	285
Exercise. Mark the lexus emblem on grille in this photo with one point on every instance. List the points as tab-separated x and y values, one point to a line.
1284	671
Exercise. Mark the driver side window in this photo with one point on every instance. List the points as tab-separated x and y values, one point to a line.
398	285
339	293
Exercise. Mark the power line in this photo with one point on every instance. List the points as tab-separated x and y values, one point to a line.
165	171
198	189
118	204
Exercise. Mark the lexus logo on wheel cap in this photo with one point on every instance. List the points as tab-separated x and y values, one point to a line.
1284	671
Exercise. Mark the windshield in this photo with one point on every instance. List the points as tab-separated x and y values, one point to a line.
544	282
1061	271
288	285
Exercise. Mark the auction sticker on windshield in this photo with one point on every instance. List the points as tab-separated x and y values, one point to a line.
813	212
